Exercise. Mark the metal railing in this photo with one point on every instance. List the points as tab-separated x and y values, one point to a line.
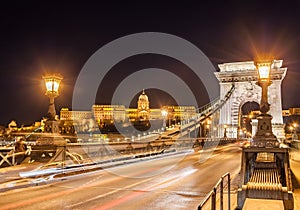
10	157
216	104
213	194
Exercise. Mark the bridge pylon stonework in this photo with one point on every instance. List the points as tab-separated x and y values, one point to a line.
244	76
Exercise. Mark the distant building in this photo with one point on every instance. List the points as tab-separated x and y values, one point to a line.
180	112
285	113
143	110
66	114
294	111
155	114
131	114
81	120
291	111
175	113
108	114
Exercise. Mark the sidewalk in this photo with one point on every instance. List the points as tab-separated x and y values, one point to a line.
261	204
295	166
257	204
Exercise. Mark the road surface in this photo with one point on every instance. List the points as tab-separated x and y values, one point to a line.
174	182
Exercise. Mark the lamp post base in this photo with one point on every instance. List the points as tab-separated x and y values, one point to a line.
52	126
264	136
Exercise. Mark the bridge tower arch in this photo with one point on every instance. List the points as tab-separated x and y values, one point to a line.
237	108
244	76
246	120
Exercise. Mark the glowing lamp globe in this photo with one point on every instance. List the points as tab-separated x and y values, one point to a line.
52	83
263	70
164	113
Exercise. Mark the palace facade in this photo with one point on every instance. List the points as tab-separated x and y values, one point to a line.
109	114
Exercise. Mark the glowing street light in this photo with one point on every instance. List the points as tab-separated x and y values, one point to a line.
295	125
264	136
264	149
293	129
263	70
250	116
164	114
52	83
225	131
207	129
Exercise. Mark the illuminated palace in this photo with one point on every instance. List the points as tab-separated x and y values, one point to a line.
109	114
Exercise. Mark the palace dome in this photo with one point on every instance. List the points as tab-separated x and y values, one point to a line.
143	97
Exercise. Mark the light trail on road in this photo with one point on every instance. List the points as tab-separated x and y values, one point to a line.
138	187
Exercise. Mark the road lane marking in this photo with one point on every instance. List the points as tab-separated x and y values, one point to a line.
61	193
136	193
152	187
109	193
119	189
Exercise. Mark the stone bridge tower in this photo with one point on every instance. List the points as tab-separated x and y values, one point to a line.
244	76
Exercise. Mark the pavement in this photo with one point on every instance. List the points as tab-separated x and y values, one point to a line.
295	166
264	204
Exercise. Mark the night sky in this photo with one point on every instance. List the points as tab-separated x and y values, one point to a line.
39	37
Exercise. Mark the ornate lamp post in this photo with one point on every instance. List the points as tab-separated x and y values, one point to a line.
264	136
52	140
225	131
52	83
207	130
208	123
264	154
294	129
164	114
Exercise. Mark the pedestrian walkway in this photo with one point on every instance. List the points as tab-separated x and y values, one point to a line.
262	204
295	166
259	204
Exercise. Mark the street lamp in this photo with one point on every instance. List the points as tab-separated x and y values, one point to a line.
52	83
225	131
263	70
164	114
264	151
295	125
214	131
207	130
208	123
264	136
294	128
